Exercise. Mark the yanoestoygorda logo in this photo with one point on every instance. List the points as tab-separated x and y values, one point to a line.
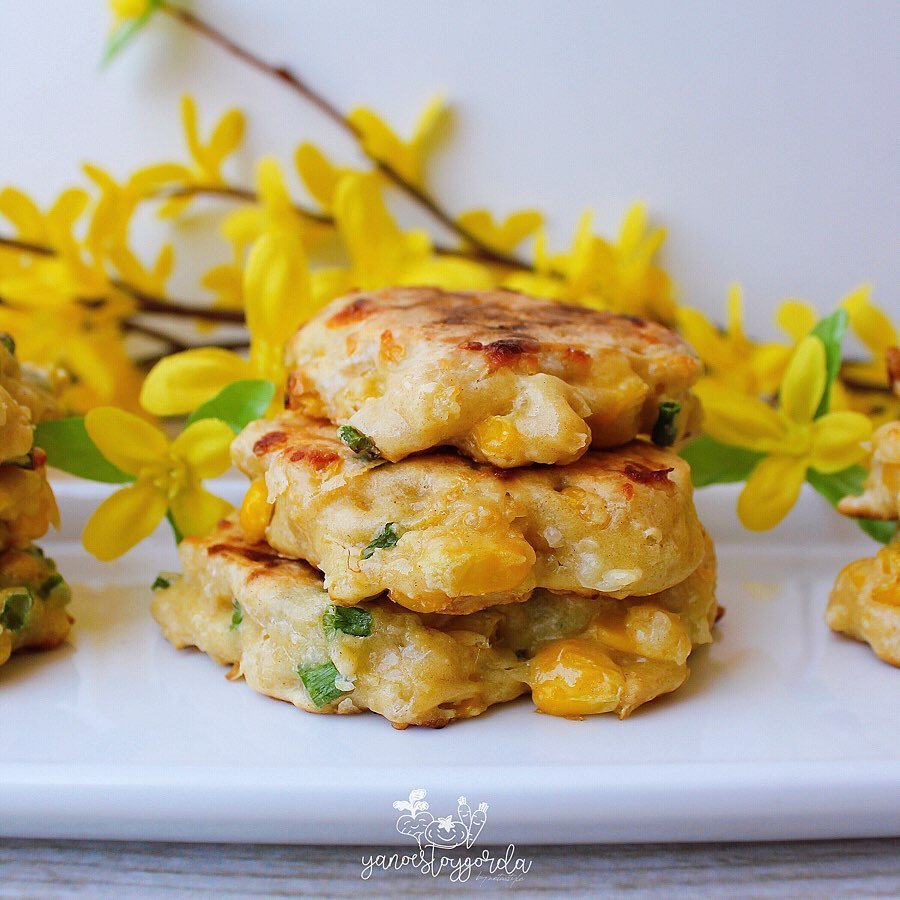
434	835
446	832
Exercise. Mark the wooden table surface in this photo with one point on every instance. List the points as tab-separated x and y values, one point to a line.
869	868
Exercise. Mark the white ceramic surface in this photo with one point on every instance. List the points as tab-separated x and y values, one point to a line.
783	731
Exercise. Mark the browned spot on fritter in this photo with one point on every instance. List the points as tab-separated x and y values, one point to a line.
355	311
293	391
720	612
510	351
258	553
644	475
268	442
579	360
628	490
316	458
505	351
893	368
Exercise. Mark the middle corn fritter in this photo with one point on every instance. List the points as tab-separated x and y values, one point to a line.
441	533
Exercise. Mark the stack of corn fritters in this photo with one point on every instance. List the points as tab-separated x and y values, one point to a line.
33	595
460	503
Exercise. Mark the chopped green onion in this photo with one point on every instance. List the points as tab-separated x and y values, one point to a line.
319	682
665	430
35	551
17	604
348	619
385	538
163	580
8	341
237	616
26	461
50	583
360	444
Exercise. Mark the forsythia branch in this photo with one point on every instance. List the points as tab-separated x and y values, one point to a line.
482	251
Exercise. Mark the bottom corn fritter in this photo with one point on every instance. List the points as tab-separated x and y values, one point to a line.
271	619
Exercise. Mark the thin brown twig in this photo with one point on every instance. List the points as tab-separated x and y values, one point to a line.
177	344
484	252
248	195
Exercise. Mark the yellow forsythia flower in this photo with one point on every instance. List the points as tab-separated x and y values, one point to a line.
278	300
274	212
731	358
207	157
128	9
791	438
381	254
168	479
406	158
505	235
620	276
877	333
319	175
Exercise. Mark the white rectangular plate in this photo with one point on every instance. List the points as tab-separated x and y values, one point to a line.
784	730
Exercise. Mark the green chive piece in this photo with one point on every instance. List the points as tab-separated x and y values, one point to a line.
319	682
16	608
385	539
237	616
347	619
360	444
26	461
163	581
50	583
665	430
8	341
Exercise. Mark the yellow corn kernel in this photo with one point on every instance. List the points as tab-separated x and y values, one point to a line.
575	678
474	564
497	437
590	507
644	629
256	511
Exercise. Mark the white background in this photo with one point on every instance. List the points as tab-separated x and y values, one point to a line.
763	134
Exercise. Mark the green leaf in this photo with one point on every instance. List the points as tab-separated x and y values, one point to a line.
237	403
385	538
16	607
830	331
347	619
319	682
126	31
848	481
237	616
712	462
69	447
665	429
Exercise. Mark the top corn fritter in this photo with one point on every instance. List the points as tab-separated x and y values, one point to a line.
507	379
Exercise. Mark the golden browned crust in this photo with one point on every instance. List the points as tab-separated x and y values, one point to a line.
865	602
620	522
506	378
412	668
881	492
